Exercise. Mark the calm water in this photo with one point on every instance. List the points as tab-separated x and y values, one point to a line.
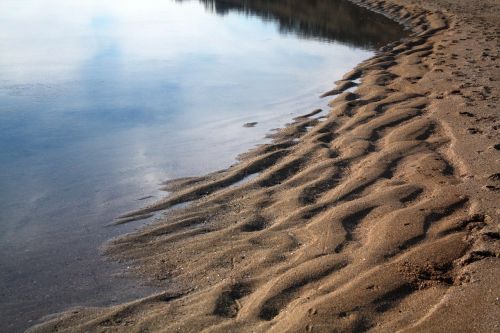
102	100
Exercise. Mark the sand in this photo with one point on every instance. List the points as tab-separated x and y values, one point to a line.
382	216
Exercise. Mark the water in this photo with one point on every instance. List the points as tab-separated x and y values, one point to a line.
102	100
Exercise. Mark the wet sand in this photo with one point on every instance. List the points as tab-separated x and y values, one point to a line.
382	216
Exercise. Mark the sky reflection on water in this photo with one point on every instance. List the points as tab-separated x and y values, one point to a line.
101	101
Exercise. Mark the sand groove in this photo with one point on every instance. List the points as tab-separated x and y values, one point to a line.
362	224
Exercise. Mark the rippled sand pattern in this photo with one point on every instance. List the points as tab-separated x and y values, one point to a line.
380	216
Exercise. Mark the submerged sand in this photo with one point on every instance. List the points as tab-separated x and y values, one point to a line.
382	216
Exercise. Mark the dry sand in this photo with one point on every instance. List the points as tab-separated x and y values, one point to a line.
381	217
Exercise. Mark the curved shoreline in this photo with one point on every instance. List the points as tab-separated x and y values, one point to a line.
381	217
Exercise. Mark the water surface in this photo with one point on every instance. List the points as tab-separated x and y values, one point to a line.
102	100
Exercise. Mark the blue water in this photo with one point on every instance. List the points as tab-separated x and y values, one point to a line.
102	100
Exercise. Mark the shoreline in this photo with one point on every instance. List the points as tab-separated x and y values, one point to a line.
381	217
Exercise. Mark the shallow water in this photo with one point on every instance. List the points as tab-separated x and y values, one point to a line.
101	101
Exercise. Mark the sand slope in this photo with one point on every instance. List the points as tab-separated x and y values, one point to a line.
382	216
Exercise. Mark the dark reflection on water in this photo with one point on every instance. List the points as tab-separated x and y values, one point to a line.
328	20
100	101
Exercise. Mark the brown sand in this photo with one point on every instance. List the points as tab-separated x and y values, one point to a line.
383	217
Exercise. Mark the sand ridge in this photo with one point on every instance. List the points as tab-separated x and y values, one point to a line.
381	216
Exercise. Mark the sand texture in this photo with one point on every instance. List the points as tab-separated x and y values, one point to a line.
382	216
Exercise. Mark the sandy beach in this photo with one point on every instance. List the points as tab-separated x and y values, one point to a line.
380	216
